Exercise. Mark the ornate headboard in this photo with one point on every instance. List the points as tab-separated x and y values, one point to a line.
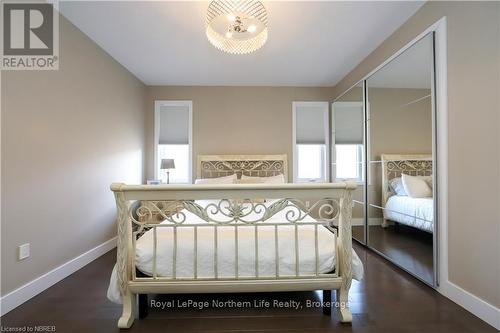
210	166
393	165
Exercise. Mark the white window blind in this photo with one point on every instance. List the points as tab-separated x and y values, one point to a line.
174	125
310	124
311	144
348	122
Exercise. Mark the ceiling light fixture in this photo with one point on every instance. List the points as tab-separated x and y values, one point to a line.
237	26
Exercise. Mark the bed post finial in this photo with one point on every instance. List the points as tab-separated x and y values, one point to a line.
345	254
123	260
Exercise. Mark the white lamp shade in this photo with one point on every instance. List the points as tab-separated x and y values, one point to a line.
248	16
167	163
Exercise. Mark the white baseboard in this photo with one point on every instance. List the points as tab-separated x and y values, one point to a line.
375	221
472	303
359	221
24	293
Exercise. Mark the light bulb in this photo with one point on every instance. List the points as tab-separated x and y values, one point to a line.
231	17
229	34
252	28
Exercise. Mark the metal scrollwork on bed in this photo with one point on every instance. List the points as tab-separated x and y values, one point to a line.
411	167
225	211
210	166
393	165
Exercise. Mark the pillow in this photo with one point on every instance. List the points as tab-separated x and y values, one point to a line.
218	180
278	179
415	186
428	180
249	181
396	184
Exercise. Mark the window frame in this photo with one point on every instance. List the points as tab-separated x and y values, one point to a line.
326	122
323	164
359	181
359	154
175	103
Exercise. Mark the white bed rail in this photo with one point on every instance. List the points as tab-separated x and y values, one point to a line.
234	206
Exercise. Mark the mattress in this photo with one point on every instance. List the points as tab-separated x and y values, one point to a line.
414	212
226	254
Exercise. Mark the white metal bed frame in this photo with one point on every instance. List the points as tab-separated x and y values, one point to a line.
137	204
210	166
393	165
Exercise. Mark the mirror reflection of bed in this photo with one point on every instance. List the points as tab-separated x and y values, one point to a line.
405	232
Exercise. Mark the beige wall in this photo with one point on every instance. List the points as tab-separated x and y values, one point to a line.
235	120
66	135
396	128
473	127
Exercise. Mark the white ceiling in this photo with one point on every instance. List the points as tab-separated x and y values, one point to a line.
310	43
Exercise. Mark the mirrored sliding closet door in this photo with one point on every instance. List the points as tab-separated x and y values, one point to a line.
400	189
348	149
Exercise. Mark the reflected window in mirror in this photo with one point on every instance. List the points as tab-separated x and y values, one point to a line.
347	138
348	151
349	162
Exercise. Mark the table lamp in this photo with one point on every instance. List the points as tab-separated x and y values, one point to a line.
167	164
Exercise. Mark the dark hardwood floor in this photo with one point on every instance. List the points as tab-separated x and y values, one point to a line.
358	232
387	300
408	247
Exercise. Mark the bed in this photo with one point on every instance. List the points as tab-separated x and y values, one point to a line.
414	212
214	238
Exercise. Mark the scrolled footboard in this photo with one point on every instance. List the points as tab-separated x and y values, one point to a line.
294	206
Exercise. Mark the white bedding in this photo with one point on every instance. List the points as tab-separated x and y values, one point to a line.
226	251
414	212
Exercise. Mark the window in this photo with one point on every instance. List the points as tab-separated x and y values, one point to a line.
349	162
180	154
347	136
310	162
310	146
173	140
